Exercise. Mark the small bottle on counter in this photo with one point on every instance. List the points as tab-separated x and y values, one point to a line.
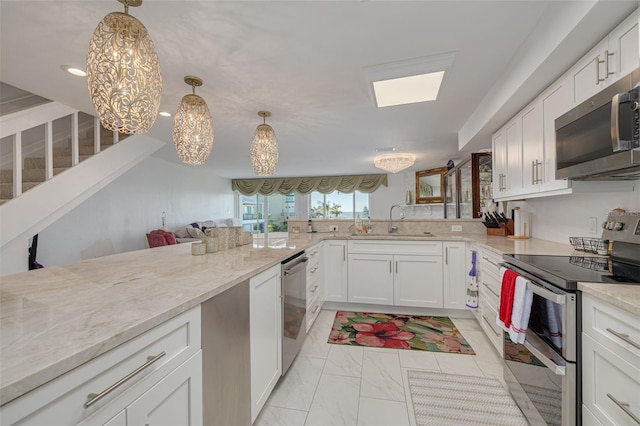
309	226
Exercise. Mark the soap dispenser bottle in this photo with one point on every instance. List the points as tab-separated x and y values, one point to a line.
309	226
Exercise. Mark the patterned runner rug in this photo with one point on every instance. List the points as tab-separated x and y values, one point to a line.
436	334
451	399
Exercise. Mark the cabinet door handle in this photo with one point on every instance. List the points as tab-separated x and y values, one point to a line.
390	270
92	398
607	73
446	255
396	266
493	263
538	171
344	254
598	62
533	173
624	407
624	337
491	290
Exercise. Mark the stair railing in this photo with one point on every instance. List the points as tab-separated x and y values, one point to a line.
13	125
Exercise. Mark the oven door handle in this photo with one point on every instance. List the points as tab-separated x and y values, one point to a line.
560	299
558	370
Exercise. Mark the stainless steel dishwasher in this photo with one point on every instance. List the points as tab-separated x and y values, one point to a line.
294	307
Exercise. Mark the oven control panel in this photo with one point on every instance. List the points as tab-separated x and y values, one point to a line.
622	226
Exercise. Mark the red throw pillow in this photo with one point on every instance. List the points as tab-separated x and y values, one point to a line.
156	240
170	237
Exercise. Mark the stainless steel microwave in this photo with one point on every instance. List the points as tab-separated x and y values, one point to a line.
599	139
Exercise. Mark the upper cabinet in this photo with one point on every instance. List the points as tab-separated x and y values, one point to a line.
614	57
524	149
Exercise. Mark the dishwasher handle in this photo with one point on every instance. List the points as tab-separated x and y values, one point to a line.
300	263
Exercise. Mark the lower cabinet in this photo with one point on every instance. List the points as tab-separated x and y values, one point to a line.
175	400
610	363
265	313
407	273
154	378
335	270
455	271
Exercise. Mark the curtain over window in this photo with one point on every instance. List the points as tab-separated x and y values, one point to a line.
306	185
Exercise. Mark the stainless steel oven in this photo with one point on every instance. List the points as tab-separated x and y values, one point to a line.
543	374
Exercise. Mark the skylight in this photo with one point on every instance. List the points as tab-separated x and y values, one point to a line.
408	90
408	81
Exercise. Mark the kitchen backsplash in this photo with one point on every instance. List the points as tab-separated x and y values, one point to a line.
380	226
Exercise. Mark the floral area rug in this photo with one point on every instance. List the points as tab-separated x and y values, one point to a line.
436	334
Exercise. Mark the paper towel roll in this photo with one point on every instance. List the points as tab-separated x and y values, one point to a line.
521	223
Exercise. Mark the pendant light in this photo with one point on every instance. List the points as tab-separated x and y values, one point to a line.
123	73
193	126
264	148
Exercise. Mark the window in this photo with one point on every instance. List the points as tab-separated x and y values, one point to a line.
338	205
278	208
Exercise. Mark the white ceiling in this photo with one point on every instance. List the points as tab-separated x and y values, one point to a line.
304	61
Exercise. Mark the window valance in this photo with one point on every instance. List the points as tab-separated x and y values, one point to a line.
307	185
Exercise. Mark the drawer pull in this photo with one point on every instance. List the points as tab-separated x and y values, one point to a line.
624	337
490	326
92	398
624	407
491	290
493	263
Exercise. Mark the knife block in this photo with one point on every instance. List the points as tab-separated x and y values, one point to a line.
503	231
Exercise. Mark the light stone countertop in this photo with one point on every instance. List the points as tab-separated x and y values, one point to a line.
626	297
57	318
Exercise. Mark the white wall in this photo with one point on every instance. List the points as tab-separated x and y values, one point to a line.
395	193
559	217
117	217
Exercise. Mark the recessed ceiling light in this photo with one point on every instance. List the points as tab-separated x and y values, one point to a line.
408	90
74	71
408	81
164	114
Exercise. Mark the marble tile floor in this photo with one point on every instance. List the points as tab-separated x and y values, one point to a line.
331	385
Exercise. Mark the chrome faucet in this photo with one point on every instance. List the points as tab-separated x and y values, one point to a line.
392	228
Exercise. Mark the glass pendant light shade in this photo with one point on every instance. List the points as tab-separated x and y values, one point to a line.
193	127
123	73
264	148
394	163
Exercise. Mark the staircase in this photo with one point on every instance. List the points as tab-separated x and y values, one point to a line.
42	180
34	168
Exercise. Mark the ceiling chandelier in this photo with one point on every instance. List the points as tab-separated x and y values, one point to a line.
264	148
394	162
123	73
193	126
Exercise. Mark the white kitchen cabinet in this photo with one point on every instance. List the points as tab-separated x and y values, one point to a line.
532	147
555	101
489	295
612	58
315	283
507	166
265	323
175	400
417	281
144	360
400	273
455	271
335	270
499	167
610	362
370	278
